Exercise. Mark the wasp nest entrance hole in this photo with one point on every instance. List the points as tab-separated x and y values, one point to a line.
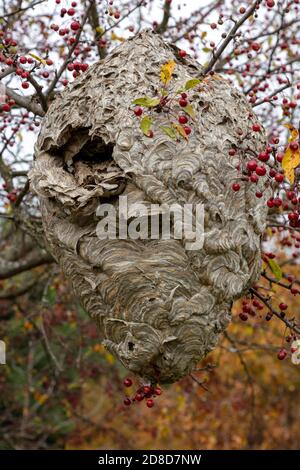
88	159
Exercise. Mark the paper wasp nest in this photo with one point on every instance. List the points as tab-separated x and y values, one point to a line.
160	307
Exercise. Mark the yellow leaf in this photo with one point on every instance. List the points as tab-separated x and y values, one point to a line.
290	161
293	131
39	59
115	37
180	130
99	30
166	72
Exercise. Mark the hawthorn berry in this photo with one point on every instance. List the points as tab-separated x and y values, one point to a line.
251	165
187	130
243	316
138	111
255	46
256	127
127	382
236	187
75	25
127	402
279	177
183	102
294	146
254	178
260	170
6	107
182	53
150	403
182	119
139	397
263	157
282	354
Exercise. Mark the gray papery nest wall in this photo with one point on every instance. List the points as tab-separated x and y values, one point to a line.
160	307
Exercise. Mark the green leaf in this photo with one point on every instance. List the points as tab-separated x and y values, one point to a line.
145	124
192	83
190	111
147	102
275	268
169	131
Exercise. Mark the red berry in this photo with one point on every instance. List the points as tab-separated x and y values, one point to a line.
75	25
279	177
182	53
243	316
5	107
256	127
294	146
182	119
71	12
25	85
138	111
150	134
251	165
283	306
127	401
255	46
127	382
282	354
183	102
184	95
187	130
258	194
236	187
147	389
139	397
23	60
270	3
150	403
260	170
253	178
263	157
158	391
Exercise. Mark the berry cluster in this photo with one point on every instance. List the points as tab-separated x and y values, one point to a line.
145	392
